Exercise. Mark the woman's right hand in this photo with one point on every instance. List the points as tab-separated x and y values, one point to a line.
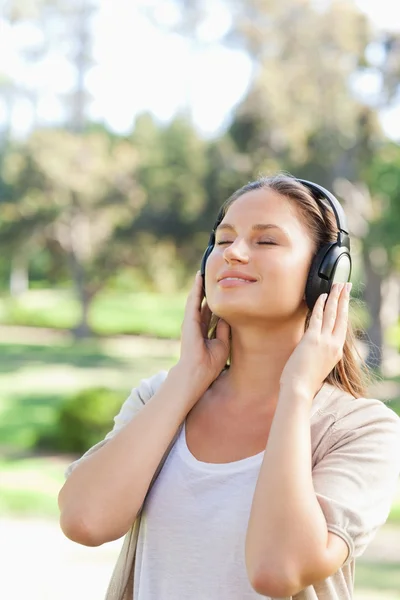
202	359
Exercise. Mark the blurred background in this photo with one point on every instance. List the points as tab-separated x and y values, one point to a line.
124	125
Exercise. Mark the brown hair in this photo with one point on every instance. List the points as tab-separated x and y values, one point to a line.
351	373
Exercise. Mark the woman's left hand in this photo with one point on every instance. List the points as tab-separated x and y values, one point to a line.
321	346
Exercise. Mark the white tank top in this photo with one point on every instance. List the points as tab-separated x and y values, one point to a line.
192	536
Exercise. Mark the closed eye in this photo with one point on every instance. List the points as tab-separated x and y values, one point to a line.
222	242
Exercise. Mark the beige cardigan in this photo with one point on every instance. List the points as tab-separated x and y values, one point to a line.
355	466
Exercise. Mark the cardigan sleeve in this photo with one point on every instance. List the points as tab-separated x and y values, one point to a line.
132	405
356	480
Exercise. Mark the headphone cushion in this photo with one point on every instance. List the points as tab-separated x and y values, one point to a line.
206	254
315	285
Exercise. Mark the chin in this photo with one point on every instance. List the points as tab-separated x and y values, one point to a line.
234	310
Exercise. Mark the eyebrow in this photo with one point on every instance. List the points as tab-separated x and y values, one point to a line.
256	227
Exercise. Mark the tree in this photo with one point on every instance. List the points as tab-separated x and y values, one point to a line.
302	112
171	170
383	244
76	190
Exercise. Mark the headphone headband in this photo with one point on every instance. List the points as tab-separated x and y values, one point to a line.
336	206
318	190
332	261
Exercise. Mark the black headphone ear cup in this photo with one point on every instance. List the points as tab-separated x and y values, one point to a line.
206	254
315	285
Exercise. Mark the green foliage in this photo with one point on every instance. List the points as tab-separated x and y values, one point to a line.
70	193
37	377
300	113
382	174
85	418
171	170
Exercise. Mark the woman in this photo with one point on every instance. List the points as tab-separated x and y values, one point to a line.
278	470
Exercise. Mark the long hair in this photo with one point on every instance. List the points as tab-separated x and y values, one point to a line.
351	373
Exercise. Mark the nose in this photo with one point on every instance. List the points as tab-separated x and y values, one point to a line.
237	252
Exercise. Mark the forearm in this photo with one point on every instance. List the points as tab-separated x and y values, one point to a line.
102	496
287	532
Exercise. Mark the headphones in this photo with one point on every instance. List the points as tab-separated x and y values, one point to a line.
332	262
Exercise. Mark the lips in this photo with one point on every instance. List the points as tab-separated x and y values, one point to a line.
236	275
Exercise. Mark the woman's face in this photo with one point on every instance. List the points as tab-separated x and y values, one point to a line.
263	239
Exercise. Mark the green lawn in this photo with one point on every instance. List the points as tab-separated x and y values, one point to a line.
116	312
111	313
380	576
34	379
29	486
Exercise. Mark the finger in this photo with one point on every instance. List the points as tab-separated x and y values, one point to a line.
205	317
342	318
223	331
330	312
195	296
317	314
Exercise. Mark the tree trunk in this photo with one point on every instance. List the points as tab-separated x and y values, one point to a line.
85	298
82	61
83	330
19	278
373	298
389	319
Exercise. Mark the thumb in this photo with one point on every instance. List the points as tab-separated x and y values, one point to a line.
222	332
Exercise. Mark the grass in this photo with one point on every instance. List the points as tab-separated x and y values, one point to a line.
34	379
382	576
29	486
111	312
116	312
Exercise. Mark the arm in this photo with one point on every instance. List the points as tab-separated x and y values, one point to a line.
354	485
103	494
288	546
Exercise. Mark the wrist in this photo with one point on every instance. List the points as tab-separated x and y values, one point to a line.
296	392
189	382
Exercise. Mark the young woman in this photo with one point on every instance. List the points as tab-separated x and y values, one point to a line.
278	470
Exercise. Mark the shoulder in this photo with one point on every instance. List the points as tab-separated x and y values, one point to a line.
148	387
138	397
366	423
349	412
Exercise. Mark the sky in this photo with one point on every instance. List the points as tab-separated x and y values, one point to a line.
139	67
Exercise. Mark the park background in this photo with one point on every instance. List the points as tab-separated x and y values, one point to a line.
123	127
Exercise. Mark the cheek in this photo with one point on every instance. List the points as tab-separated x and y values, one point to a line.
214	264
289	272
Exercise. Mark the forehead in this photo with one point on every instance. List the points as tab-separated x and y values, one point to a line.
265	206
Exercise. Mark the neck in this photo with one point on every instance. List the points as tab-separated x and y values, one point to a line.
258	358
